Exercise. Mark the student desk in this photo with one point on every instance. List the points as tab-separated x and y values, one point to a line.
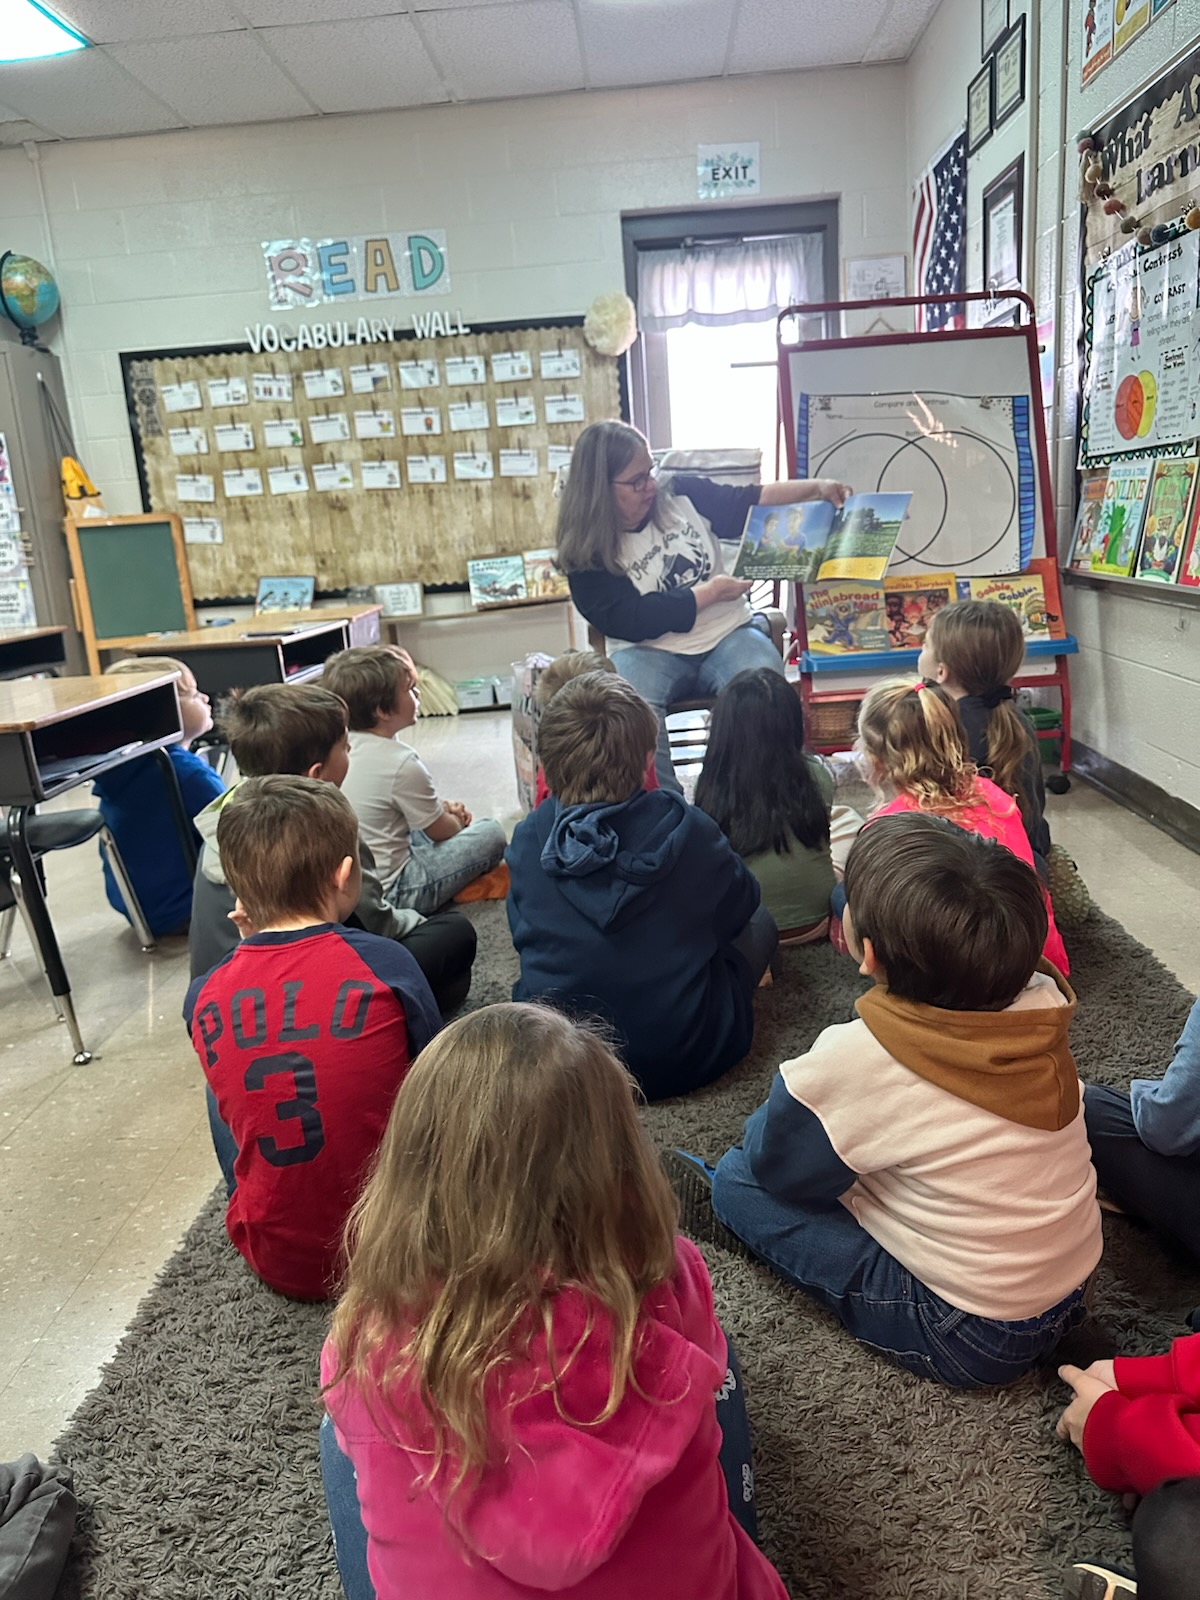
27	650
58	733
241	654
362	622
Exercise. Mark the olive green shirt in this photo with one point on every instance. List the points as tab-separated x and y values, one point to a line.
796	884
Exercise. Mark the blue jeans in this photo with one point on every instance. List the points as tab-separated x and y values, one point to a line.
1163	1190
224	1143
434	873
824	1251
350	1537
661	678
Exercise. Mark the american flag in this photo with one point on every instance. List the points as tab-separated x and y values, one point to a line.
939	235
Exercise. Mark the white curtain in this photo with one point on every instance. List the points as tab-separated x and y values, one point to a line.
716	285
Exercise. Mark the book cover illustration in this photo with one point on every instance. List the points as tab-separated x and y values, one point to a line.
910	602
1087	520
1172	487
1022	592
1047	569
1189	567
543	580
815	540
495	579
845	618
1121	518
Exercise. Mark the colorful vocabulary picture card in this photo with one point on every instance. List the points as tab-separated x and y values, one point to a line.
465	369
515	411
426	469
518	464
203	530
329	475
557	457
194	486
272	385
285	434
233	436
181	397
561	364
188	441
324	383
227	392
287	480
374	425
419	374
510	366
242	481
381	474
369	376
467	414
473	464
331	428
564	407
416	420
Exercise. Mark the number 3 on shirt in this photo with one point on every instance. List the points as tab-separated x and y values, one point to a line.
302	1107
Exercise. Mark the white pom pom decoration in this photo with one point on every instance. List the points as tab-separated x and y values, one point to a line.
610	325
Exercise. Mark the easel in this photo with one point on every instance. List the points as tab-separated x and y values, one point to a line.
128	570
829	713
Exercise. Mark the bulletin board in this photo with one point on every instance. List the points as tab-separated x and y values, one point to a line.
321	474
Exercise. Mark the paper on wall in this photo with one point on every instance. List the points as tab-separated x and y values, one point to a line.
518	464
465	369
328	475
419	374
426	469
272	386
381	474
332	428
283	435
511	366
242	481
374	425
203	530
473	464
368	376
516	411
564	407
233	436
561	364
324	383
227	392
188	441
466	415
181	397
194	486
287	480
417	420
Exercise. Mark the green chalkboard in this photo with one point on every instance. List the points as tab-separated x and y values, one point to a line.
131	571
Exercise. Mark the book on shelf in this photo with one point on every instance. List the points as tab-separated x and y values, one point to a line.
909	603
815	541
1189	566
845	618
1168	511
495	580
543	580
1087	520
1115	549
1022	592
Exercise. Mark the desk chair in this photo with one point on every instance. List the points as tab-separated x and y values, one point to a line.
27	836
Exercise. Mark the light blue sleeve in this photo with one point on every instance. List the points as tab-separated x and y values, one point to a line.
1166	1110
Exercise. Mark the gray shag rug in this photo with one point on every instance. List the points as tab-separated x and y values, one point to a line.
196	1461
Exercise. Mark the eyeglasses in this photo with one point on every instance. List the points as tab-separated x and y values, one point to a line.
639	483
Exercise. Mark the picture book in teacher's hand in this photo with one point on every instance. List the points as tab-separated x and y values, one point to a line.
1165	529
814	540
496	580
910	602
1116	545
845	618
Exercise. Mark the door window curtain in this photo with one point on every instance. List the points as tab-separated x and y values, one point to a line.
716	285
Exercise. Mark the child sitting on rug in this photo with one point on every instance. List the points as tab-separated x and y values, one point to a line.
914	750
923	1171
304	1031
1146	1141
1136	1421
629	904
300	729
771	800
573	664
525	1370
425	849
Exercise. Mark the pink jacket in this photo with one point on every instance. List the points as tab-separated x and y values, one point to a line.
997	816
632	1509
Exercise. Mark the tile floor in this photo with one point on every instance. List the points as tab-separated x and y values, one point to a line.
105	1166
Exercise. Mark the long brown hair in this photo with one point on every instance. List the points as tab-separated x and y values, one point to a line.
914	736
589	528
981	646
514	1165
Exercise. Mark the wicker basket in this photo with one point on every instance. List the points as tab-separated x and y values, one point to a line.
830	724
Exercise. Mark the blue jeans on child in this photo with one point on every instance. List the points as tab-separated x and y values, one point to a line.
350	1537
224	1143
1163	1190
824	1251
434	873
661	678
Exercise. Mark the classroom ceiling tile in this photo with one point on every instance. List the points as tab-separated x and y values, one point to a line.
114	21
15	131
277	13
493	52
774	34
664	41
83	95
363	65
899	31
214	78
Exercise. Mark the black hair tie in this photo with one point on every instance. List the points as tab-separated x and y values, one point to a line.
994	697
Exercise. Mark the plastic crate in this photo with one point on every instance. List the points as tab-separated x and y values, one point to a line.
1046	720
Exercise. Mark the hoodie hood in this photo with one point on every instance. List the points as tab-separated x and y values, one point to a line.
1015	1063
605	857
205	823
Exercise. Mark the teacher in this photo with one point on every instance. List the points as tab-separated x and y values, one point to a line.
643	560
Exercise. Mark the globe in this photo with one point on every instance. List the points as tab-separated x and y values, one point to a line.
28	292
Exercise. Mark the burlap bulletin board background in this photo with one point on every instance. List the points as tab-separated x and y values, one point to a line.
419	532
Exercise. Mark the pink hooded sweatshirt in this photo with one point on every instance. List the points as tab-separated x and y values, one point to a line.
632	1509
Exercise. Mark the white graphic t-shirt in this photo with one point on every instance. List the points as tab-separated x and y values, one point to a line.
677	551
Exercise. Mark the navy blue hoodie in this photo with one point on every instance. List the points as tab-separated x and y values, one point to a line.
628	912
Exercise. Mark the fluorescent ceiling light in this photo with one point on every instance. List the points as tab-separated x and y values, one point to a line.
28	31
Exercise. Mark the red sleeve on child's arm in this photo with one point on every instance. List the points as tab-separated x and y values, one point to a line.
1176	1372
1131	1446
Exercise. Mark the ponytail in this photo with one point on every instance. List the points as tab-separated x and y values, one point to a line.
914	734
